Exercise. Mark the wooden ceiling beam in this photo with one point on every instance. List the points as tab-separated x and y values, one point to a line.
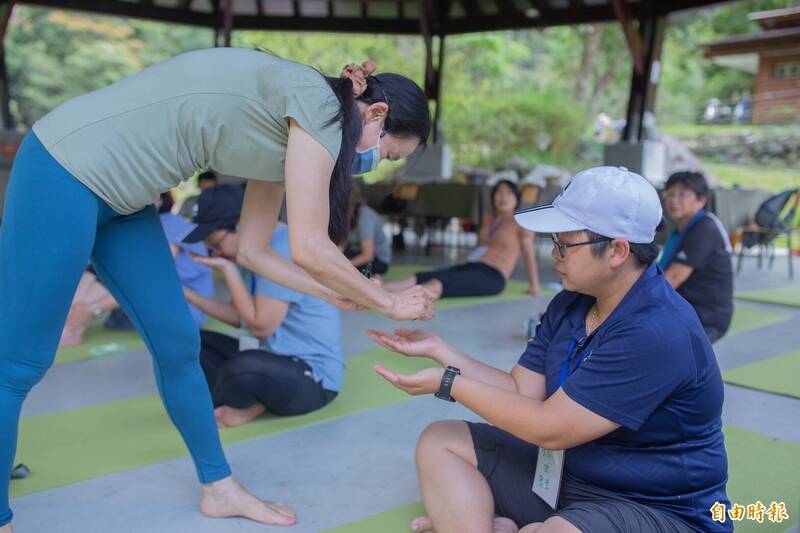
474	21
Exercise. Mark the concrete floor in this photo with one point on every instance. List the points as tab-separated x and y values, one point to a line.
336	472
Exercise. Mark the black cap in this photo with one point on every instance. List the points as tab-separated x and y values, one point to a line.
217	207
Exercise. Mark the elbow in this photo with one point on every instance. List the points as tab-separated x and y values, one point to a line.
547	440
307	255
552	442
244	257
302	258
263	332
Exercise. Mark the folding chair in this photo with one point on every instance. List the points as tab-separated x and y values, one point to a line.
771	219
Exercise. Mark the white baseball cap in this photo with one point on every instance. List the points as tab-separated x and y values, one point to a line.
610	201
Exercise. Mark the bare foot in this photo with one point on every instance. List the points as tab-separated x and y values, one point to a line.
226	498
80	314
229	417
6	529
70	337
423	524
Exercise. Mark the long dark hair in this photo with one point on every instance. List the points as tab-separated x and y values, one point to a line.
408	116
511	185
167	201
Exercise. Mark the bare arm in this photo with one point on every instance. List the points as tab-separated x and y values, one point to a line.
526	239
308	171
367	254
421	343
520	380
677	274
222	311
486	222
554	424
262	204
262	315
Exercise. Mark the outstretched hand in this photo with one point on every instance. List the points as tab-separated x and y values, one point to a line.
217	263
425	381
411	342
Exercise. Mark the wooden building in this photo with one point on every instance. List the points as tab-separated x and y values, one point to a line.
773	56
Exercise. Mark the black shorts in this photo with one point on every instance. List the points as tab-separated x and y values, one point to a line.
469	279
376	266
509	463
284	385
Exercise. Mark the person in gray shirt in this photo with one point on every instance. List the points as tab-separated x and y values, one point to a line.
368	242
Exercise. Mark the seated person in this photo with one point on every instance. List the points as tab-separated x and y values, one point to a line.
92	299
205	180
368	242
490	267
619	374
697	257
290	361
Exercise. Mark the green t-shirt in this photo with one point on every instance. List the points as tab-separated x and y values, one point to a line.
225	109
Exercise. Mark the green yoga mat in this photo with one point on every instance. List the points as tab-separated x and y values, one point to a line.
101	342
761	468
67	447
747	319
789	296
765	469
777	375
394	521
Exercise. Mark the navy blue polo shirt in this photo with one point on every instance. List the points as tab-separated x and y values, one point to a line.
650	368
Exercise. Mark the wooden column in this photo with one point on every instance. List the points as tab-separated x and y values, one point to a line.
644	82
227	21
5	97
433	71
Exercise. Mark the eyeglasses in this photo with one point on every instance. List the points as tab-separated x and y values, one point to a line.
680	195
562	246
216	245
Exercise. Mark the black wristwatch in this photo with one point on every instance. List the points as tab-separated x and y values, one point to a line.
448	378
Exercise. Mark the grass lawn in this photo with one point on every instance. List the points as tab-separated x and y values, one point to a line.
687	131
755	176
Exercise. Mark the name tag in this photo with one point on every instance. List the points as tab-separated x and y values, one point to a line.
547	478
246	342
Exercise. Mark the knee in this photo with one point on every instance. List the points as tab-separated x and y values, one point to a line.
21	376
441	437
181	349
435	287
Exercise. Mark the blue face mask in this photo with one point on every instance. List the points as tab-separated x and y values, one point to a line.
367	160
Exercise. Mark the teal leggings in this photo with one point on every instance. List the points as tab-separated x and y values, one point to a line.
52	227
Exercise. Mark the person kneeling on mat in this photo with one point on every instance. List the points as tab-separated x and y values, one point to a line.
611	420
290	360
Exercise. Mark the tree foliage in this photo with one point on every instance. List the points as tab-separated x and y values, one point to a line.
530	94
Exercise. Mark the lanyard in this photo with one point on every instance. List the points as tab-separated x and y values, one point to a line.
565	371
252	284
674	242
